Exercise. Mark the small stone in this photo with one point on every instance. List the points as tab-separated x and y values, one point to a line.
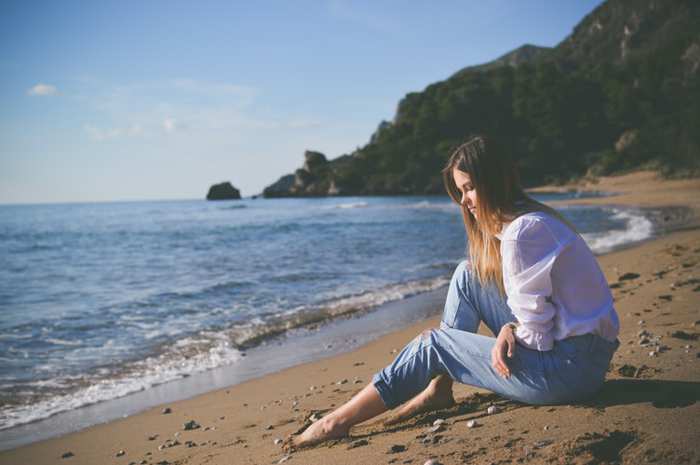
628	276
432	462
358	443
295	403
492	409
153	438
342	381
190	444
685	336
312	388
640	322
67	455
269	427
436	428
120	453
190	425
278	441
166	411
627	370
439	421
396	448
546	427
471	424
543	443
284	459
652	353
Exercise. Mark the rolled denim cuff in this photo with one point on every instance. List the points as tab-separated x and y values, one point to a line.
384	391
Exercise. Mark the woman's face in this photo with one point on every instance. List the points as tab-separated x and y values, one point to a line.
466	188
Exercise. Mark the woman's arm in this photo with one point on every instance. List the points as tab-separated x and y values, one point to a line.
528	255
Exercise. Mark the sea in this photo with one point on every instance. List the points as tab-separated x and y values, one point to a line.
102	300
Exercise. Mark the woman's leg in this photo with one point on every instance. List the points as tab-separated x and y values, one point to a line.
467	304
364	405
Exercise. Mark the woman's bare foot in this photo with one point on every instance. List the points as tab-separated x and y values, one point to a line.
321	430
364	405
436	396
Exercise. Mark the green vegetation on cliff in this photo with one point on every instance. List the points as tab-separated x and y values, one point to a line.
622	91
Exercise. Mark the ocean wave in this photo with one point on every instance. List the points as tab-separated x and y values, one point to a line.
637	228
193	354
346	205
209	350
253	332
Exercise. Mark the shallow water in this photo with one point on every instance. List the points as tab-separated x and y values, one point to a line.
101	300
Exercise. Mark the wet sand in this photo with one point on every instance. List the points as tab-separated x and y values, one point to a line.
648	410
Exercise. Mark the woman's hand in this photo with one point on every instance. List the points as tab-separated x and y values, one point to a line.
505	343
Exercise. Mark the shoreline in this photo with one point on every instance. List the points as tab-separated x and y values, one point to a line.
684	222
334	333
51	416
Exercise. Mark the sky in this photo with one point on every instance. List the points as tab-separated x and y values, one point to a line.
156	100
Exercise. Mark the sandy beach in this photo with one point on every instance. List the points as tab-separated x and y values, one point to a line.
648	410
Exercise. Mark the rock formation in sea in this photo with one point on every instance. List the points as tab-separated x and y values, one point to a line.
223	191
314	179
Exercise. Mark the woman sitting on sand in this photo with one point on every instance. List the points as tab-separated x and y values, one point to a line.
531	279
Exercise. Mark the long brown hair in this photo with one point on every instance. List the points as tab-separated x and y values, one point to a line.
500	199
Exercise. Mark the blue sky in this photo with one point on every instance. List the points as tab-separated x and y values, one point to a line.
122	100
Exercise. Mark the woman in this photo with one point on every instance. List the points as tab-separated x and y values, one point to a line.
534	283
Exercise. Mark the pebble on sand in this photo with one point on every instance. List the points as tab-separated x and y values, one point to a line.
278	441
438	422
436	428
284	459
67	455
120	453
190	425
492	409
472	424
166	411
396	448
432	462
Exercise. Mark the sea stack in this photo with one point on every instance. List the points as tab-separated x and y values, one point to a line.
223	191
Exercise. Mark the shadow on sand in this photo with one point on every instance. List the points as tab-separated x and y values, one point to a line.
661	394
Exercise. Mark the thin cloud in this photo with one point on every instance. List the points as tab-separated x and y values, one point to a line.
103	134
170	125
217	89
42	90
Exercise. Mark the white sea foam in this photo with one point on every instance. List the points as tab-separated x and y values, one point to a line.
351	205
62	342
209	350
637	228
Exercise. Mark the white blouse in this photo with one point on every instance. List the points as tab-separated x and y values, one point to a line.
553	283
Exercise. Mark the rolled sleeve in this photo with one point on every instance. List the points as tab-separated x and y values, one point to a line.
528	257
